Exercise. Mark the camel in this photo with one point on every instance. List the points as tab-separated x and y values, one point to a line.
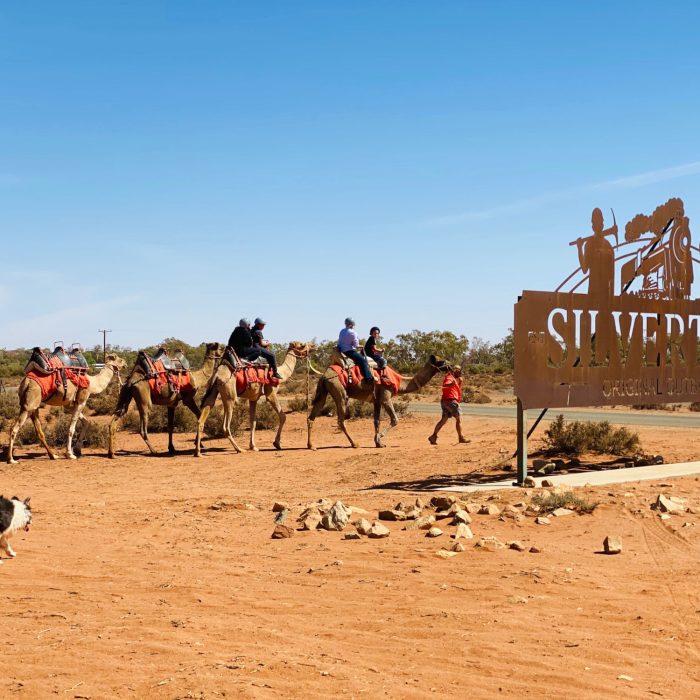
73	400
379	395
138	389
223	383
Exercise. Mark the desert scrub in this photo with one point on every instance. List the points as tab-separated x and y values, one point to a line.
577	437
104	403
568	499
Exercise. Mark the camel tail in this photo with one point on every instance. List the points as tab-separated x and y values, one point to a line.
125	396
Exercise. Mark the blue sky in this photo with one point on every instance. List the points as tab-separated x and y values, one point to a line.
168	167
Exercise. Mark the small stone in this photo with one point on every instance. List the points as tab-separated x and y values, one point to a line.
667	505
310	519
336	518
458	547
378	531
279	506
489	509
517	546
561	512
612	545
463	531
363	526
623	677
412	513
282	532
352	536
529	482
472	508
547	483
664	516
445	554
354	510
419	503
392	515
517	599
442	502
510	515
539	463
520	505
461	516
535	550
542	520
425	522
434	532
489	544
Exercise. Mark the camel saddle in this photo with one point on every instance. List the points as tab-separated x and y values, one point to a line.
338	357
161	369
47	369
353	377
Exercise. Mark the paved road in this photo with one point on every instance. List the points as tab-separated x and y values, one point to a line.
668	419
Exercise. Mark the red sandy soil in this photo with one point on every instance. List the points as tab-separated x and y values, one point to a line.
130	585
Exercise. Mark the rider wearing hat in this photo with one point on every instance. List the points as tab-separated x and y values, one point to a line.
262	346
348	344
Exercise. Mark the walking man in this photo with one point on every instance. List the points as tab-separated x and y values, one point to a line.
451	396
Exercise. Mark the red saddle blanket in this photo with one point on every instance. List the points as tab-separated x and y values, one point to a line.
245	376
50	383
179	381
388	377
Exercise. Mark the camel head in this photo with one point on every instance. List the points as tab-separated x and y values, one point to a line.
115	362
215	350
299	349
439	364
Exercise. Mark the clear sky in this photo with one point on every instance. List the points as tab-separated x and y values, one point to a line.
168	167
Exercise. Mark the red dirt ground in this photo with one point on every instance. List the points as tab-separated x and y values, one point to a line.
130	585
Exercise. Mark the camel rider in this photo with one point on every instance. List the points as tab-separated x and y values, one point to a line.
262	345
372	350
241	341
348	343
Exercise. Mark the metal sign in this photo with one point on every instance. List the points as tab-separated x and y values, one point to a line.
630	336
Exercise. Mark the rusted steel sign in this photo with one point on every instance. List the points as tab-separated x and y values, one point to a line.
630	342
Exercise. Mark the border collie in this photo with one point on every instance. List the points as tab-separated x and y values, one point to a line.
14	515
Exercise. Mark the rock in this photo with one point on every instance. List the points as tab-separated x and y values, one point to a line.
279	506
458	547
657	459
667	505
539	463
559	463
442	502
517	546
542	520
574	462
412	513
463	531
363	526
612	545
392	515
623	677
377	531
352	536
529	482
336	518
282	532
520	505
517	599
489	544
547	483
419	503
535	550
664	516
310	518
425	522
461	516
489	509
532	510
561	512
434	532
445	554
354	510
471	508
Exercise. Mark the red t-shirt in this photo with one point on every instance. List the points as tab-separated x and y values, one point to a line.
451	388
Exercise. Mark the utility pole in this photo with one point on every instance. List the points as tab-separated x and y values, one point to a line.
104	332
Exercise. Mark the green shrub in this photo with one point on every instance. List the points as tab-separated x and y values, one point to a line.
577	437
568	499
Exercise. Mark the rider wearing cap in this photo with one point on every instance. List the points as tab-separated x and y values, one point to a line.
242	342
348	344
262	345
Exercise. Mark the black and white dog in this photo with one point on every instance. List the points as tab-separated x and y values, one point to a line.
14	515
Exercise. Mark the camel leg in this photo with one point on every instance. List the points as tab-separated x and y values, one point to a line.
126	393
274	402
228	416
316	408
143	426
19	422
341	405
77	414
200	429
171	426
40	434
252	409
84	425
393	420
